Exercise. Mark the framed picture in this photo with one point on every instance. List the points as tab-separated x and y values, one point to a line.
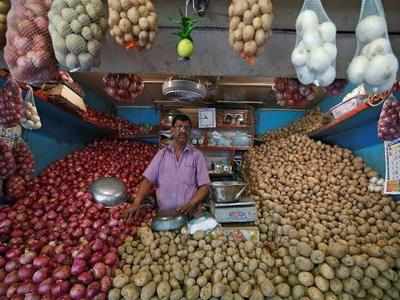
236	118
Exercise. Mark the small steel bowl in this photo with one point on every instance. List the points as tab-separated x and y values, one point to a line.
168	221
109	191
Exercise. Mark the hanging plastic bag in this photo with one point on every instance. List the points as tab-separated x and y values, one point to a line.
28	52
77	28
389	120
7	161
30	119
123	88
373	64
133	24
11	104
4	8
314	56
250	26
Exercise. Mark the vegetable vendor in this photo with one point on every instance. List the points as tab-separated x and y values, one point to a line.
178	172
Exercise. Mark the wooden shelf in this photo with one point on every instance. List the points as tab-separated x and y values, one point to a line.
217	148
358	116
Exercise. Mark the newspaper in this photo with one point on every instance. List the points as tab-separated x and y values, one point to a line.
392	166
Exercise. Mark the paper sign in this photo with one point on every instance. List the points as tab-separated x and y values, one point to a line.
392	164
207	118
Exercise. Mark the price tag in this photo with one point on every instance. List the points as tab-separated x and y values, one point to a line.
344	107
207	118
392	166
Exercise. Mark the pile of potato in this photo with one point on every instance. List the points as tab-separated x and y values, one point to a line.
330	236
310	122
250	26
323	236
175	266
133	23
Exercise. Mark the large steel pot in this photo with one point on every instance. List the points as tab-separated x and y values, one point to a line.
227	191
109	191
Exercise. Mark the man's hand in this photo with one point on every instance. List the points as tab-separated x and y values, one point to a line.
131	213
189	208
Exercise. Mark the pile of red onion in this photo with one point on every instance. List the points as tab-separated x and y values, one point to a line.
7	161
389	120
120	126
123	88
11	104
56	242
336	88
290	92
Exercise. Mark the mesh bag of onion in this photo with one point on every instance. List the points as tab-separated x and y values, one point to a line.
11	104
389	120
290	92
7	161
28	52
30	119
374	63
314	56
133	24
123	88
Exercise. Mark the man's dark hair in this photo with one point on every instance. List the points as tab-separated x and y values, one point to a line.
182	118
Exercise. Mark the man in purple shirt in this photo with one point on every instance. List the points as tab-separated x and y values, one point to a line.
178	172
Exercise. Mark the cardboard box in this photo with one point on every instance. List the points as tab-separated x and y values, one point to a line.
67	95
242	233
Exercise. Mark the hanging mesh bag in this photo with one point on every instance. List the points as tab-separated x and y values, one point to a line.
4	8
123	88
133	24
11	104
314	56
30	119
373	64
77	28
28	52
389	120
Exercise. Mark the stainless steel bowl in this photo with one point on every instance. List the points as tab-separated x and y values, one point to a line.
109	191
227	191
168	220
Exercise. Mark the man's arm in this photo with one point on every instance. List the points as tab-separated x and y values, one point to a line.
144	189
197	198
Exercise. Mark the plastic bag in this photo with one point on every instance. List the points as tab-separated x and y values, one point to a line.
7	161
133	24
4	8
314	56
28	52
373	64
11	104
123	88
389	120
77	28
250	26
30	119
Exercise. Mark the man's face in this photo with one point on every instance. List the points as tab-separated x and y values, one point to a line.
181	131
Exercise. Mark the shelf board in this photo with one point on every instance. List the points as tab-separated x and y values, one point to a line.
217	148
358	116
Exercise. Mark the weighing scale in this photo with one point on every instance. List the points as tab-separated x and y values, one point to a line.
242	211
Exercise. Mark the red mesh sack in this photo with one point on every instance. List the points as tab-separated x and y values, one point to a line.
24	161
123	88
290	92
11	104
7	161
389	120
28	52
